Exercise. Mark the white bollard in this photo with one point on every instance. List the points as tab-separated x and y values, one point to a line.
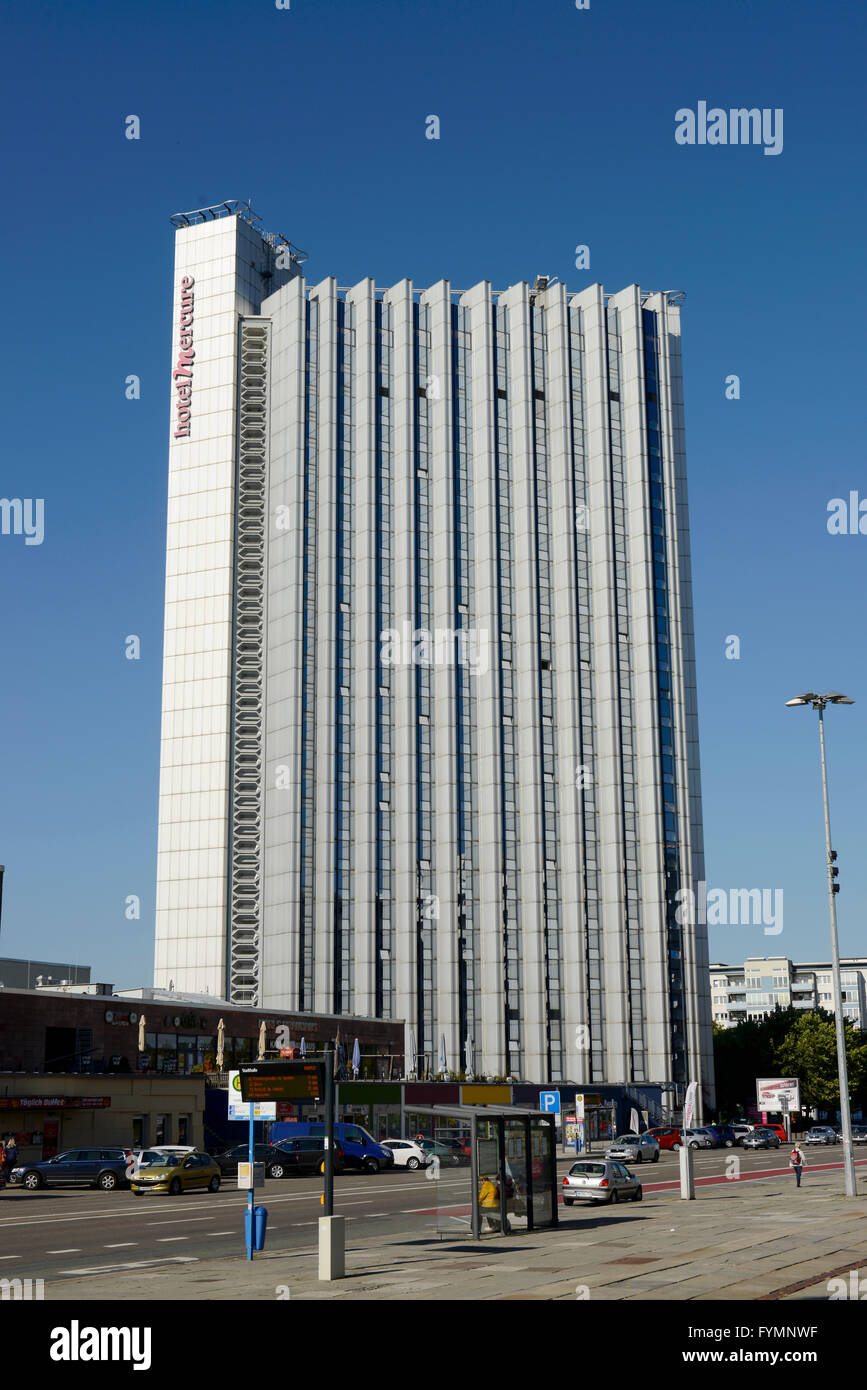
332	1247
687	1183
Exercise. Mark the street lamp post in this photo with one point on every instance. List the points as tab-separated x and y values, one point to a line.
819	702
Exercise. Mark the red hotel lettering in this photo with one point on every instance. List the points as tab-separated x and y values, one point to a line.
184	366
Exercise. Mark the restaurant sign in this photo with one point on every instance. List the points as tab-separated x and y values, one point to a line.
55	1102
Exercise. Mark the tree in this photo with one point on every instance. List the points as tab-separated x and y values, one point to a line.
808	1050
745	1052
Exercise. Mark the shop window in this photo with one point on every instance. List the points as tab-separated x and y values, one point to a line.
244	1049
162	1130
167	1052
184	1129
139	1132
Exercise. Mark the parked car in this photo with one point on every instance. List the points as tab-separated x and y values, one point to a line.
228	1161
104	1168
598	1180
141	1157
696	1139
167	1149
406	1153
724	1135
360	1149
820	1134
295	1157
666	1137
635	1148
435	1148
859	1134
176	1173
741	1130
761	1138
778	1129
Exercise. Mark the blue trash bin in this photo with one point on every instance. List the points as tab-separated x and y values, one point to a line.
259	1222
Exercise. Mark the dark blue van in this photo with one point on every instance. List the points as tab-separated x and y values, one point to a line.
360	1149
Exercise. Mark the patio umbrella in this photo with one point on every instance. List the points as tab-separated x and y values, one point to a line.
443	1057
221	1043
262	1041
356	1059
411	1059
468	1055
141	1034
303	1047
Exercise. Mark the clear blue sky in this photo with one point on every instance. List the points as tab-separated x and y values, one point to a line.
557	128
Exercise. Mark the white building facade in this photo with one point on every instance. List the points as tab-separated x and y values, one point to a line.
765	983
430	745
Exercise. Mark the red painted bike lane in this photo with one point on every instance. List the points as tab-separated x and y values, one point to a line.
753	1175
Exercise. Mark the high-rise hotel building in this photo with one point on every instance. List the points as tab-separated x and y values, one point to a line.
429	742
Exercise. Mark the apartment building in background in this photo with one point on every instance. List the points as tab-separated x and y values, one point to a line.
763	983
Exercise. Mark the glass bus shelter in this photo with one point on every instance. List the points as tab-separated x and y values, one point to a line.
494	1169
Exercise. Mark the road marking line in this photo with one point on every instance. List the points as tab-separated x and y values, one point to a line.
70	1250
119	1245
163	1240
11	1257
220	1233
181	1220
134	1264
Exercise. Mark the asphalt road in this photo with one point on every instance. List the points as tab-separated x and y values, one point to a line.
69	1233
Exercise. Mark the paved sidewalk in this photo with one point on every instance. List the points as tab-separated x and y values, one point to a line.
746	1240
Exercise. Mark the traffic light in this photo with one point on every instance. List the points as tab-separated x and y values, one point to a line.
835	872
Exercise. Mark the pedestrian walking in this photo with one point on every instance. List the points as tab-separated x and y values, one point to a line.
11	1155
2	1157
797	1163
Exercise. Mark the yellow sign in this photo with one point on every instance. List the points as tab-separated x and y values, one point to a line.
486	1095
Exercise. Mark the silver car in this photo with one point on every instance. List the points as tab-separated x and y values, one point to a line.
635	1148
820	1134
697	1139
600	1180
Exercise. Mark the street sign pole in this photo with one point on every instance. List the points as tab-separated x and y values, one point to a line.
332	1229
250	1194
329	1133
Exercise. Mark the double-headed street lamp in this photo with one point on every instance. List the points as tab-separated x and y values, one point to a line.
819	702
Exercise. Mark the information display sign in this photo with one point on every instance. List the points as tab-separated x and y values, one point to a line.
275	1081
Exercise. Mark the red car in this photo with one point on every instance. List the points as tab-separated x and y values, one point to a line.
779	1130
666	1136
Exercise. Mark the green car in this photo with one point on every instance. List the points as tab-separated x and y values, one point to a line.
174	1173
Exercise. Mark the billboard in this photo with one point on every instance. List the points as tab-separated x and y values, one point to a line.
772	1091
